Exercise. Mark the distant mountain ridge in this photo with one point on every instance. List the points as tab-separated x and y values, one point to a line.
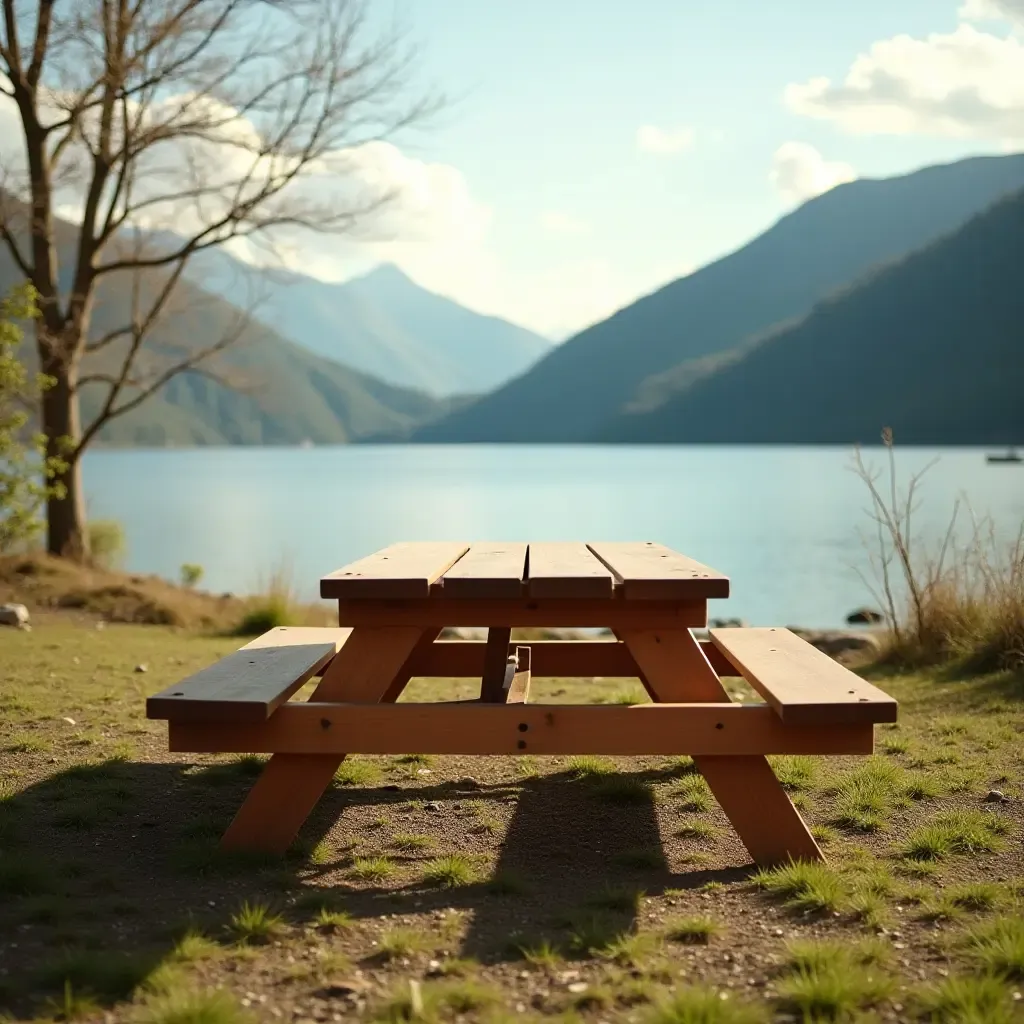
382	324
931	346
284	394
637	358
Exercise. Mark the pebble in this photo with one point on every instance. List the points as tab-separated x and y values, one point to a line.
141	668
996	796
432	806
577	986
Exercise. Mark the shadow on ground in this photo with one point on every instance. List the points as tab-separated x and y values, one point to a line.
103	867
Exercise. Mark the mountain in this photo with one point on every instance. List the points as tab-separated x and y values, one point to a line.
638	356
931	346
382	324
281	393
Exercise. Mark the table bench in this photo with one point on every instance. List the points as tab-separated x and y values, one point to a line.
392	607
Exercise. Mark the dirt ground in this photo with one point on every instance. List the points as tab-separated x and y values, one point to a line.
494	888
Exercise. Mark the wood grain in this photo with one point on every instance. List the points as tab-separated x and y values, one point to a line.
674	668
482	728
527	612
400	571
649	571
804	685
249	684
567	570
490	571
367	668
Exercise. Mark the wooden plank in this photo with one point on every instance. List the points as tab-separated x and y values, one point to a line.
464	659
479	728
494	571
566	570
675	668
647	571
249	684
526	612
518	689
400	571
372	666
803	685
496	655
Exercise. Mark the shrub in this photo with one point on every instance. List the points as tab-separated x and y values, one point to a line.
107	544
962	598
191	574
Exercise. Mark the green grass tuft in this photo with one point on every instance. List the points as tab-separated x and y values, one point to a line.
966	999
704	1006
960	831
997	946
254	923
803	885
372	869
185	1006
449	871
693	931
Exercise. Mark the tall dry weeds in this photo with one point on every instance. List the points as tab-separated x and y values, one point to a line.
953	599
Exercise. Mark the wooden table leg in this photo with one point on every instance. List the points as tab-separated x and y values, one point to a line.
675	670
374	665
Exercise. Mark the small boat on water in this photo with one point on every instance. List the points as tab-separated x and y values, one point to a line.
1010	455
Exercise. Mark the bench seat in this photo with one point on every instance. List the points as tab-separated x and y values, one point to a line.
802	684
251	683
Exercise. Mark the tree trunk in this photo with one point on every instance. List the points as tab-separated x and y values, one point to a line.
65	516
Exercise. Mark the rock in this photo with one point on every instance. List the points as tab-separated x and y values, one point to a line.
726	624
70	721
468	783
864	617
432	807
141	668
996	796
577	986
340	989
13	615
837	644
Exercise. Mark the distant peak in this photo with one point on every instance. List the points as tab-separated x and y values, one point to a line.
385	274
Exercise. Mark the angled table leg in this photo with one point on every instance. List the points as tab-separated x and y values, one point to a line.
374	665
675	669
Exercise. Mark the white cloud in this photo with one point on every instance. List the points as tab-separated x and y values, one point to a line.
434	228
662	141
560	223
993	10
800	172
962	84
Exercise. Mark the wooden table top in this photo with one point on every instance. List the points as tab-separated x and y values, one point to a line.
632	571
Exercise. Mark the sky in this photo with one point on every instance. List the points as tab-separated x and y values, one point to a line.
590	153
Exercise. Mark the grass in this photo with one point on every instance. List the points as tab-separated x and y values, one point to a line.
704	1006
960	831
540	953
833	981
588	768
693	793
106	975
803	886
409	842
701	830
966	999
372	869
254	923
796	772
621	898
398	943
187	1006
997	946
693	931
355	772
622	790
448	872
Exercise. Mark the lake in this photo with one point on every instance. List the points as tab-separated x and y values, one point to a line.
784	523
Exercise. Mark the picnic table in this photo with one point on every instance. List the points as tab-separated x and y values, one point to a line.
392	607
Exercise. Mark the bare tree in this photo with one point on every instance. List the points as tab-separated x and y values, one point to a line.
205	114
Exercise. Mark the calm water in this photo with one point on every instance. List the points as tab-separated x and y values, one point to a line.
782	522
